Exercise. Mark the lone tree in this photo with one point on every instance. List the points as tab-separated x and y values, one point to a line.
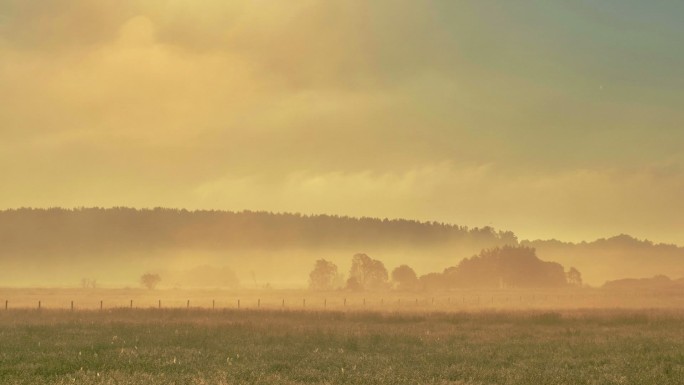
366	274
323	276
405	278
150	280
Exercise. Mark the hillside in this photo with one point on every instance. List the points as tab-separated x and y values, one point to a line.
614	258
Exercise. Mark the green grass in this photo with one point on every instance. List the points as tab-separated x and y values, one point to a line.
293	347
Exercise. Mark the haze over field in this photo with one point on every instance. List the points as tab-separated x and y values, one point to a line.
552	119
58	247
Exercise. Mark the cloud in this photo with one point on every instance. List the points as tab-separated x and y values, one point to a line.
52	26
576	203
468	112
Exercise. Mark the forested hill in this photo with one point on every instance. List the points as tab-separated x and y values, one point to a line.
614	258
88	230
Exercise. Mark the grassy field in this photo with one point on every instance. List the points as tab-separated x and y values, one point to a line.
228	346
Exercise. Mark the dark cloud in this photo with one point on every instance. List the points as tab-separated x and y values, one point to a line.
56	25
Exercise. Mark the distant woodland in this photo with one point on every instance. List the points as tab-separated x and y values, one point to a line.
497	268
91	229
614	258
263	246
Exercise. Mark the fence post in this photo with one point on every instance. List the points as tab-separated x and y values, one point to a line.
345	302
6	304
259	303
38	305
159	304
213	304
131	304
187	305
100	305
283	303
72	305
238	304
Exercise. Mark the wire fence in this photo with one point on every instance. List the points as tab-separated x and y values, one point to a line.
390	302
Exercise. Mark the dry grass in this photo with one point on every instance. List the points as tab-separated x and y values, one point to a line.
178	346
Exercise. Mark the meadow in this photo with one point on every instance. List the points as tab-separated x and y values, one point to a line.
354	346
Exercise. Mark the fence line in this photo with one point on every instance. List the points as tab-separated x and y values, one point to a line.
402	302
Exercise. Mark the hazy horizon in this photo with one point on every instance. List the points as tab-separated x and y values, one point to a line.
314	214
118	244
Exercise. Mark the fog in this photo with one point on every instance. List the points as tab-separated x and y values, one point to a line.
257	250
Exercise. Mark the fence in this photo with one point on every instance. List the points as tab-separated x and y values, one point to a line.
390	302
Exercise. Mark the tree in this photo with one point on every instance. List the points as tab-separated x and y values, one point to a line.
368	273
323	276
506	267
405	278
353	284
574	277
150	280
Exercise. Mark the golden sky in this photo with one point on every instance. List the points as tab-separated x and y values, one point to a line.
549	118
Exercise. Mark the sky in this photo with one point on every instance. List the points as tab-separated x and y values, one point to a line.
553	119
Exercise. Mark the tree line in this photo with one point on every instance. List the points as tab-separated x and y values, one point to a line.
88	230
500	267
